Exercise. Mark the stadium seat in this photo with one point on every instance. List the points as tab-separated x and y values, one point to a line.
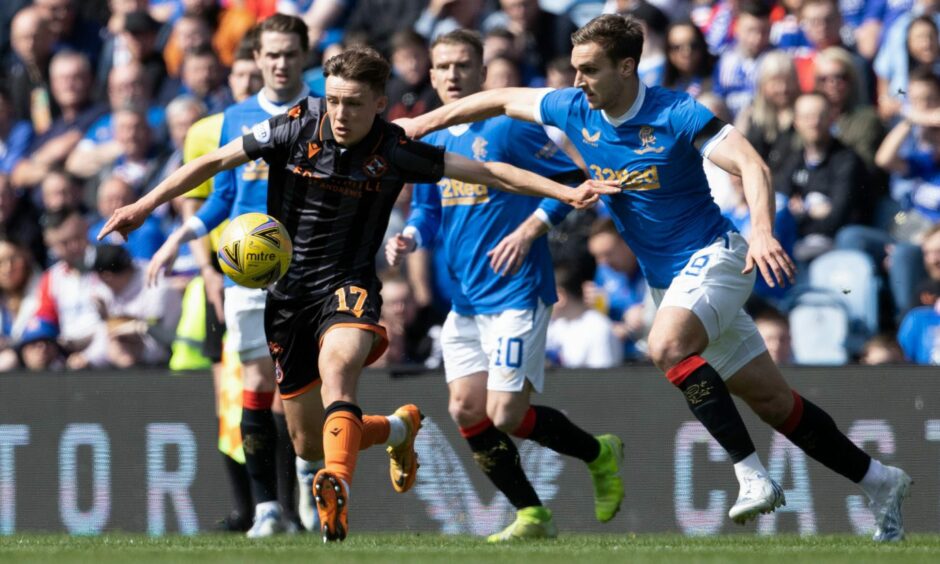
852	277
819	328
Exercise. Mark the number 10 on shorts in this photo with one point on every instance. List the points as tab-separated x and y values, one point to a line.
509	352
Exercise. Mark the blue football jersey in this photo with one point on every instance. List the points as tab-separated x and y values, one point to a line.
244	188
474	218
665	211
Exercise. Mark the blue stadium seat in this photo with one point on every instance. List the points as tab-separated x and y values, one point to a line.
819	328
851	275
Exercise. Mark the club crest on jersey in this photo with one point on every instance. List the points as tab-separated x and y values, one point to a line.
648	140
479	148
589	138
375	166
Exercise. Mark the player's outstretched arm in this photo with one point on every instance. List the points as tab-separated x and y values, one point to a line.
736	155
514	102
518	181
128	218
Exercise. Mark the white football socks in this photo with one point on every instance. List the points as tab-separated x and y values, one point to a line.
874	479
748	467
397	432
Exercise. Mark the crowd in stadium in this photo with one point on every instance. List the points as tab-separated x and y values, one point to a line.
841	98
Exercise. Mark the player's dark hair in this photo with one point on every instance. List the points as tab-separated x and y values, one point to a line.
462	37
282	23
361	64
620	37
755	9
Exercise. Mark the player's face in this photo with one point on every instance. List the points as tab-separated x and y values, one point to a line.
352	107
455	71
602	80
281	60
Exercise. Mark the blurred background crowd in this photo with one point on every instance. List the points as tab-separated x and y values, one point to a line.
840	97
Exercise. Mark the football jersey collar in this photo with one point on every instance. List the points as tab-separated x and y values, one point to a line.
274	108
631	113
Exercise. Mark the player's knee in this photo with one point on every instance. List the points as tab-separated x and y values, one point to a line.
506	418
465	410
308	446
668	352
772	406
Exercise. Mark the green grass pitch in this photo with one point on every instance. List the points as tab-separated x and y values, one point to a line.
427	548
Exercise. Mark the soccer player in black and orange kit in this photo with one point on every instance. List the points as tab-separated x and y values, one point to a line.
336	169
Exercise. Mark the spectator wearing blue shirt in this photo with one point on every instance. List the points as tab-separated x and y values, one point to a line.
15	136
114	193
70	83
894	62
878	18
919	335
736	71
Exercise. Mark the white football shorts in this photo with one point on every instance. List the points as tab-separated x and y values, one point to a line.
244	322
712	287
509	346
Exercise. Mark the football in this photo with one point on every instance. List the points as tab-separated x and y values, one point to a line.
255	250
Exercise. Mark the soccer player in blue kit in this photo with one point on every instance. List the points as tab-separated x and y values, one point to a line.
494	338
699	269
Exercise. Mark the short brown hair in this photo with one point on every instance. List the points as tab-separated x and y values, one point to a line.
620	37
462	37
282	23
361	64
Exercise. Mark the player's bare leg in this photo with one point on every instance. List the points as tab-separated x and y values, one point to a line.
761	385
343	353
512	412
677	340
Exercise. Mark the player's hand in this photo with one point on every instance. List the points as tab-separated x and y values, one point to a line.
215	286
587	194
773	262
397	247
509	254
124	220
162	261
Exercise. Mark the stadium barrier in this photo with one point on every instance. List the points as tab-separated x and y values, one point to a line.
136	451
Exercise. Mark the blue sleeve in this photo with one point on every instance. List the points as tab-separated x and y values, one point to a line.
556	106
688	118
425	212
218	206
17	144
528	146
555	210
